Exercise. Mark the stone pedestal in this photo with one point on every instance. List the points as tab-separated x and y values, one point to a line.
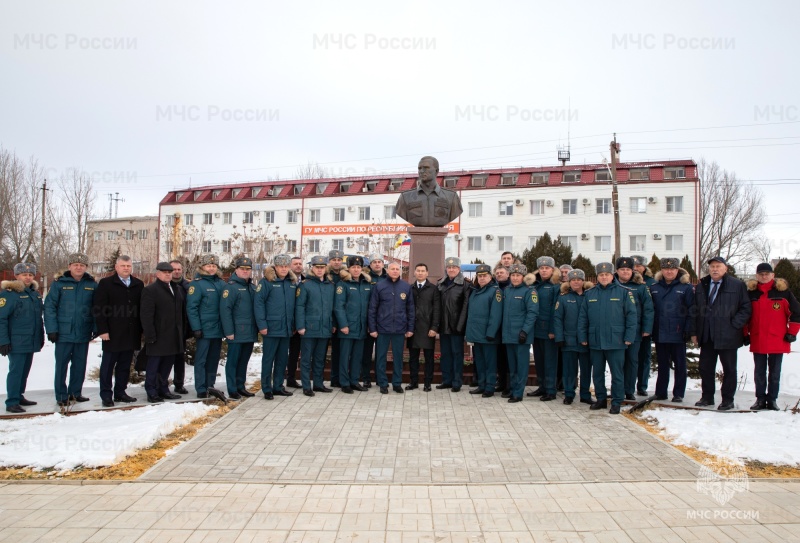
427	246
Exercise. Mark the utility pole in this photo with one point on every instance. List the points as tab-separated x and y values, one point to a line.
44	235
116	201
614	147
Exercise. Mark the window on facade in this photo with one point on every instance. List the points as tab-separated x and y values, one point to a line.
129	234
297	190
168	247
602	243
197	194
226	246
216	194
248	246
603	205
320	188
638	205
291	246
254	192
674	243
569	207
314	215
235	192
208	218
268	246
187	247
476	209
675	173
674	204
572	241
362	244
640	174
337	245
206	246
540	178
450	182
504	243
227	218
269	217
389	212
178	196
478	181
474	243
338	214
371	186
637	243
291	215
170	220
533	240
188	219
507	208
344	187
508	179
537	207
388	244
247	217
313	245
572	177
396	184
363	213
141	234
98	236
275	190
112	235
602	175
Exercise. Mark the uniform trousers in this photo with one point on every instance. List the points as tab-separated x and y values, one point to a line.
72	357
351	352
616	360
236	365
19	367
206	363
274	357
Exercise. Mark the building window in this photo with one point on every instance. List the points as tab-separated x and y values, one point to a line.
247	217
216	194
291	246
129	234
170	220
208	218
602	175
640	174
314	215
313	246
602	243
603	206
476	209
507	208
675	173
268	246
112	235
344	187
395	184
478	181
363	245
638	205
188	219
508	179
227	218
320	188
674	243
197	194
537	207
338	214
206	246
572	177
187	247
450	182
572	241
363	213
637	243
254	192
291	216
235	193
98	236
297	190
269	217
141	234
248	246
541	178
371	186
388	245
178	196
275	191
674	204
569	207
389	212
168	248
474	243
533	240
504	243
337	245
226	246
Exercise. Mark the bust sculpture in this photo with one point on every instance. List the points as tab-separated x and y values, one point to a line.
428	204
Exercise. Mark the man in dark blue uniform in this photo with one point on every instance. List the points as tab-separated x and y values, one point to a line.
351	308
646	345
313	316
239	326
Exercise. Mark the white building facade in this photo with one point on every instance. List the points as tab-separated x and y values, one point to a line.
504	210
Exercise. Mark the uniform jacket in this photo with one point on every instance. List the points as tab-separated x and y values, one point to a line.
391	308
21	317
236	310
608	317
775	314
485	313
455	302
648	279
351	304
548	292
565	317
313	309
520	312
116	310
68	308
163	316
202	304
427	315
644	304
374	277
673	304
722	322
274	303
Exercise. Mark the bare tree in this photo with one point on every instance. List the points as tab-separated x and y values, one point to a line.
731	215
762	247
24	213
312	170
78	197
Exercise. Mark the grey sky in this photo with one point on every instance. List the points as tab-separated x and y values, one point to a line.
139	91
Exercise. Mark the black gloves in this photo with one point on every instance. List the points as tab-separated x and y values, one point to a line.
559	344
198	334
490	339
5	349
523	337
53	337
789	338
746	340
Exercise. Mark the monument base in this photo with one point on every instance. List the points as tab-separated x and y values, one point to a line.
427	246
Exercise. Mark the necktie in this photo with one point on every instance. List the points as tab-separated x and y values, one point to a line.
713	296
419	285
170	290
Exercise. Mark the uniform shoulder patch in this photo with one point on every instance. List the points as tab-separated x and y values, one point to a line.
556	307
402	295
297	292
498	295
258	288
534	297
225	293
339	290
191	291
632	299
2	302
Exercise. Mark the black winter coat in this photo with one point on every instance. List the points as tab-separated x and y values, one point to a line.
726	317
427	307
455	298
163	316
116	311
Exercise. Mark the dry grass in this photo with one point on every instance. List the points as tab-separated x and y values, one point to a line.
754	468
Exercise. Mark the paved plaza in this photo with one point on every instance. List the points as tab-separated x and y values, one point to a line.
435	467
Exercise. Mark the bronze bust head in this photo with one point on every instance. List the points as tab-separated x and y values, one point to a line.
428	204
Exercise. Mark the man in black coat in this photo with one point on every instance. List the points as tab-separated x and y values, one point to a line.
116	310
163	314
179	376
722	309
454	290
427	302
294	341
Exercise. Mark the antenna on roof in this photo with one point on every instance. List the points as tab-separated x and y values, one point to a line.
563	153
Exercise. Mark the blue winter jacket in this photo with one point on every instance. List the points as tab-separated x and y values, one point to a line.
607	318
485	314
565	317
236	310
202	304
673	308
68	308
391	307
351	305
548	291
313	309
520	312
274	304
21	317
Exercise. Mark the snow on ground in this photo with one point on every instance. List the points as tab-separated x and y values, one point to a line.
93	439
767	436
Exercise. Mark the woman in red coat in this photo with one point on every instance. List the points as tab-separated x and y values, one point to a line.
772	328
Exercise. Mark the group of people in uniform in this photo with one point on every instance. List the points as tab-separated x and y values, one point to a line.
577	330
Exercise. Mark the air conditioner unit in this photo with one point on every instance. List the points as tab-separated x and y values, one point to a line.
584	237
458	237
351	208
586	201
272	192
216	241
652	199
255	213
489	237
519	202
549	203
365	189
656	236
391	188
216	215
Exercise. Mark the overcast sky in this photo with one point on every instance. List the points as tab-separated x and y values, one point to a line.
150	95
